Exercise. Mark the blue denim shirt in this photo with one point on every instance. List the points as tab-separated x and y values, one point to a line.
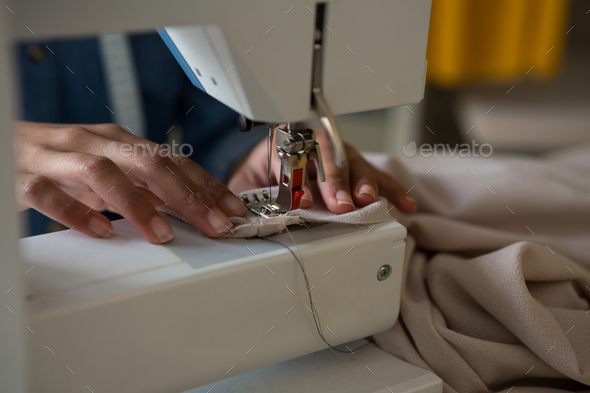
52	93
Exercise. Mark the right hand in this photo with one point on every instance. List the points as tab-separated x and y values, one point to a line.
71	172
355	185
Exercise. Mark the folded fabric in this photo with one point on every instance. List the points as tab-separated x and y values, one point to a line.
252	225
496	291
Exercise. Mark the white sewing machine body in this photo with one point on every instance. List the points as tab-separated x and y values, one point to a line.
307	68
128	316
374	57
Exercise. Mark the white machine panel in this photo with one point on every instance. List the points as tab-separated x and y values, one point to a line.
374	57
127	316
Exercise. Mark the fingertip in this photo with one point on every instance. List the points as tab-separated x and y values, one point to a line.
336	196
365	195
100	226
368	190
219	223
363	200
233	206
161	229
341	203
306	199
407	204
305	204
343	198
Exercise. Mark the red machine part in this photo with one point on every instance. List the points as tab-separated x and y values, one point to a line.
297	187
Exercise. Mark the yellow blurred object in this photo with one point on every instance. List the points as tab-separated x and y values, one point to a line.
494	40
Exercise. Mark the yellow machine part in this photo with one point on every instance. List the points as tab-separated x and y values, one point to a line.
478	40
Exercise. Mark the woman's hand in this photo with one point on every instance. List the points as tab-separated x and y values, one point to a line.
71	172
358	184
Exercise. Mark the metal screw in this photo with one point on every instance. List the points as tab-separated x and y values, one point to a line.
384	272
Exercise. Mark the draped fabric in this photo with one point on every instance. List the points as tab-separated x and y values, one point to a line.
496	291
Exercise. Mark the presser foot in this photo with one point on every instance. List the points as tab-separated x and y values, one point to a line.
263	208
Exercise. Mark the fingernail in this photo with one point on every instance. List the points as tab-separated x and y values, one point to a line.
410	199
219	221
234	205
161	229
367	189
342	198
100	227
307	195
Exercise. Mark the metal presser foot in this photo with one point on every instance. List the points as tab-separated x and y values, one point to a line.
295	147
265	208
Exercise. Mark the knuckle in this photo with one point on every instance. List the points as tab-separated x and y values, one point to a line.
114	127
211	184
180	160
140	153
336	180
72	135
151	162
95	166
163	151
67	206
36	188
191	197
112	130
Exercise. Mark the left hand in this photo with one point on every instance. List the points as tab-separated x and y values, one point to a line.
357	184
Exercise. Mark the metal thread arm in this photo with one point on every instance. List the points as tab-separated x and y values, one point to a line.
329	124
318	101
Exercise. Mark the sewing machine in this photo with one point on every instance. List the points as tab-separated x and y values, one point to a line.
305	67
123	315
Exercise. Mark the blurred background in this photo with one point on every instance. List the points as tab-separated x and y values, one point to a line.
511	73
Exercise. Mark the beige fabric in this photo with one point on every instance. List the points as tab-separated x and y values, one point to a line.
486	303
252	225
